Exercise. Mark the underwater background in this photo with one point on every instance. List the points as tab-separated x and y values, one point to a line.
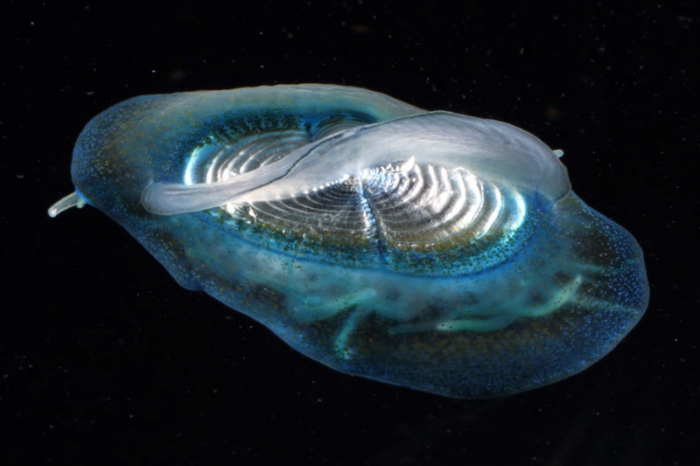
104	358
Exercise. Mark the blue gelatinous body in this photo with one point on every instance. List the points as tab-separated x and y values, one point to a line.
432	250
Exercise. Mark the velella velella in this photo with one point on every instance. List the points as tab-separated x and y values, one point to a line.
427	249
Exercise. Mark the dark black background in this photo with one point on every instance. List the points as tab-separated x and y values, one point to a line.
105	359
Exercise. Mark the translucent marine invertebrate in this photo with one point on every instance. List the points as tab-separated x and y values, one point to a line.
437	251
